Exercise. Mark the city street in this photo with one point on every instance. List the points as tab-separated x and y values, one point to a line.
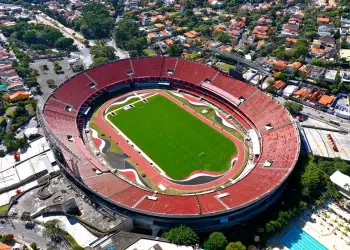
17	228
85	52
320	115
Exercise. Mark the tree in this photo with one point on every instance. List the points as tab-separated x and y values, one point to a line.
50	81
216	241
182	235
293	107
103	51
311	179
236	246
98	61
34	246
126	30
10	142
64	43
53	228
174	50
95	22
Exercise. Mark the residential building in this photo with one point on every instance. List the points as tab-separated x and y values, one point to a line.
345	76
326	100
18	96
330	75
326	29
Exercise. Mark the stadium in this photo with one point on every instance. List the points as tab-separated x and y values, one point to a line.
192	145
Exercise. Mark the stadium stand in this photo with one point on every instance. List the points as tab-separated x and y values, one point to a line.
280	143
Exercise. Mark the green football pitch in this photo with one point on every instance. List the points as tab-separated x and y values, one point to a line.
177	141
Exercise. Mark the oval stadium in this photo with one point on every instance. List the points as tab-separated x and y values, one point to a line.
169	141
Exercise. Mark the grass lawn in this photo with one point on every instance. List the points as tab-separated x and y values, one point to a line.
224	66
149	52
10	111
3	209
174	139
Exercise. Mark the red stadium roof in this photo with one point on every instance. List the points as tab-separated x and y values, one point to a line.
279	137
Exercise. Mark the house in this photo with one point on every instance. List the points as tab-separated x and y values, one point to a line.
317	72
294	66
290	30
4	246
289	90
323	20
345	76
290	42
18	96
301	93
330	75
262	31
326	29
191	34
326	100
279	84
4	67
264	20
327	41
15	86
306	69
169	42
281	65
151	36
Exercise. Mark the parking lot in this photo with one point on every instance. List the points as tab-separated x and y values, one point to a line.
49	73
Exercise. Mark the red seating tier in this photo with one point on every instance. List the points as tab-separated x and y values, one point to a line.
129	197
107	184
144	67
110	73
279	145
193	72
262	110
233	86
209	204
167	204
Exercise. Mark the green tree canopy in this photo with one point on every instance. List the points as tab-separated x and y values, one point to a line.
126	30
103	51
236	246
95	22
174	50
293	107
182	235
216	241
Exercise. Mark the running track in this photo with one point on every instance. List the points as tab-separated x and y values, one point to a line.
151	171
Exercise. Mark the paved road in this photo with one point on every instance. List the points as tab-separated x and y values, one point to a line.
320	115
119	52
18	229
85	52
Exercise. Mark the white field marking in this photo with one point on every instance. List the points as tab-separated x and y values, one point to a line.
131	103
135	95
133	144
191	102
95	135
224	122
143	153
135	173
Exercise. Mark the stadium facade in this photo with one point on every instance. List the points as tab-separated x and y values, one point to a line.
274	148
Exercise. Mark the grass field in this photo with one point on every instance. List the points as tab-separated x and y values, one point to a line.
174	139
